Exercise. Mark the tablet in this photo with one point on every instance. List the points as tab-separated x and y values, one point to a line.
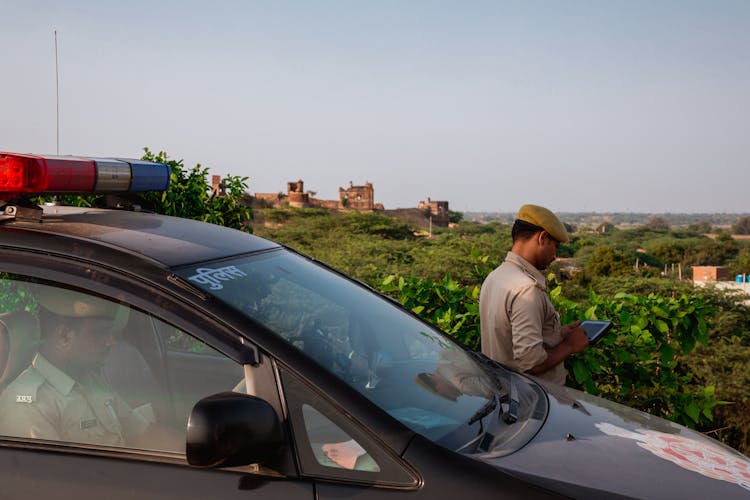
595	329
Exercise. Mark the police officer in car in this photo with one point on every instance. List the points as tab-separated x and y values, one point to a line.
62	395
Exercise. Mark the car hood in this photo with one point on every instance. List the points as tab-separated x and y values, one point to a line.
589	447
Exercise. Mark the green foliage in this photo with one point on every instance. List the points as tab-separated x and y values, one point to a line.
741	263
377	225
724	362
742	226
607	261
657	223
669	252
701	227
641	363
285	214
446	304
14	295
370	246
712	253
190	195
455	217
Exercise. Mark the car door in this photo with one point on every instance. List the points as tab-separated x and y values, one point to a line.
72	426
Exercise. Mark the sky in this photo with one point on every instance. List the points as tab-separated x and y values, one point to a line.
601	105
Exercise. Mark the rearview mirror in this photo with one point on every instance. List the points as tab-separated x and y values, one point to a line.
231	429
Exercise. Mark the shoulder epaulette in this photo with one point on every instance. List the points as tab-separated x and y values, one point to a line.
24	388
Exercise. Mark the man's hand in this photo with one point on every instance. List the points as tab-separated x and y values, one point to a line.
566	329
574	337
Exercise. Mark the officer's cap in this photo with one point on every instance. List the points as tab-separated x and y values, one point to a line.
540	216
78	305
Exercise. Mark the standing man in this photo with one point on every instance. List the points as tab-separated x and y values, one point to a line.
520	327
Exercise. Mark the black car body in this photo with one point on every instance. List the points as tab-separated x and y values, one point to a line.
288	380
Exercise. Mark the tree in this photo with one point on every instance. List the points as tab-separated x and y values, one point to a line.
606	261
742	262
455	217
702	227
190	195
670	252
742	226
658	223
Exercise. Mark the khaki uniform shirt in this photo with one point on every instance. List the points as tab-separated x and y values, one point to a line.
45	403
517	319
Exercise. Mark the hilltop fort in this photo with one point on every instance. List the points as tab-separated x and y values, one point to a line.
360	198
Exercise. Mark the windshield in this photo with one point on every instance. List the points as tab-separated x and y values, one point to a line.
411	370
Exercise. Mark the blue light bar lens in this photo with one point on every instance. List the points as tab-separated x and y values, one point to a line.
148	176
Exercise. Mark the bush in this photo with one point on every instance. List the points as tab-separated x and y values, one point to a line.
446	304
641	363
742	226
190	195
607	261
724	362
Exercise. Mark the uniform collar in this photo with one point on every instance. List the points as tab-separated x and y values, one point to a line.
56	377
529	269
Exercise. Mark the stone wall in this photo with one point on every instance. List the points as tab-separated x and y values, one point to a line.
438	210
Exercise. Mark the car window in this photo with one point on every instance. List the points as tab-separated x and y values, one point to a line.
79	368
331	445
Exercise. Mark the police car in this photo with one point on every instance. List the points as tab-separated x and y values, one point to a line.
145	356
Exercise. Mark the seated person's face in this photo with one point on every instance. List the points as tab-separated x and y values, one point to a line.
90	342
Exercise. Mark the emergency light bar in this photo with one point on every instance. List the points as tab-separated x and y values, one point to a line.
34	174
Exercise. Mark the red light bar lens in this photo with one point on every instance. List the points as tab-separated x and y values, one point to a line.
52	174
69	175
14	172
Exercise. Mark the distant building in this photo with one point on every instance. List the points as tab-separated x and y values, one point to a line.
436	210
296	194
218	186
710	273
358	198
361	198
718	276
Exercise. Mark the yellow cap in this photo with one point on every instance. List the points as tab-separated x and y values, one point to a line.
540	216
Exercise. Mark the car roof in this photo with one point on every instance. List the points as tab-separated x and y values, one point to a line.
170	241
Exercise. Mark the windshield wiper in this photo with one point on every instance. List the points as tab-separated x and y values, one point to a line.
482	436
485	410
511	415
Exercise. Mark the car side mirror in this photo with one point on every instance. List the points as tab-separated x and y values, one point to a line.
231	429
